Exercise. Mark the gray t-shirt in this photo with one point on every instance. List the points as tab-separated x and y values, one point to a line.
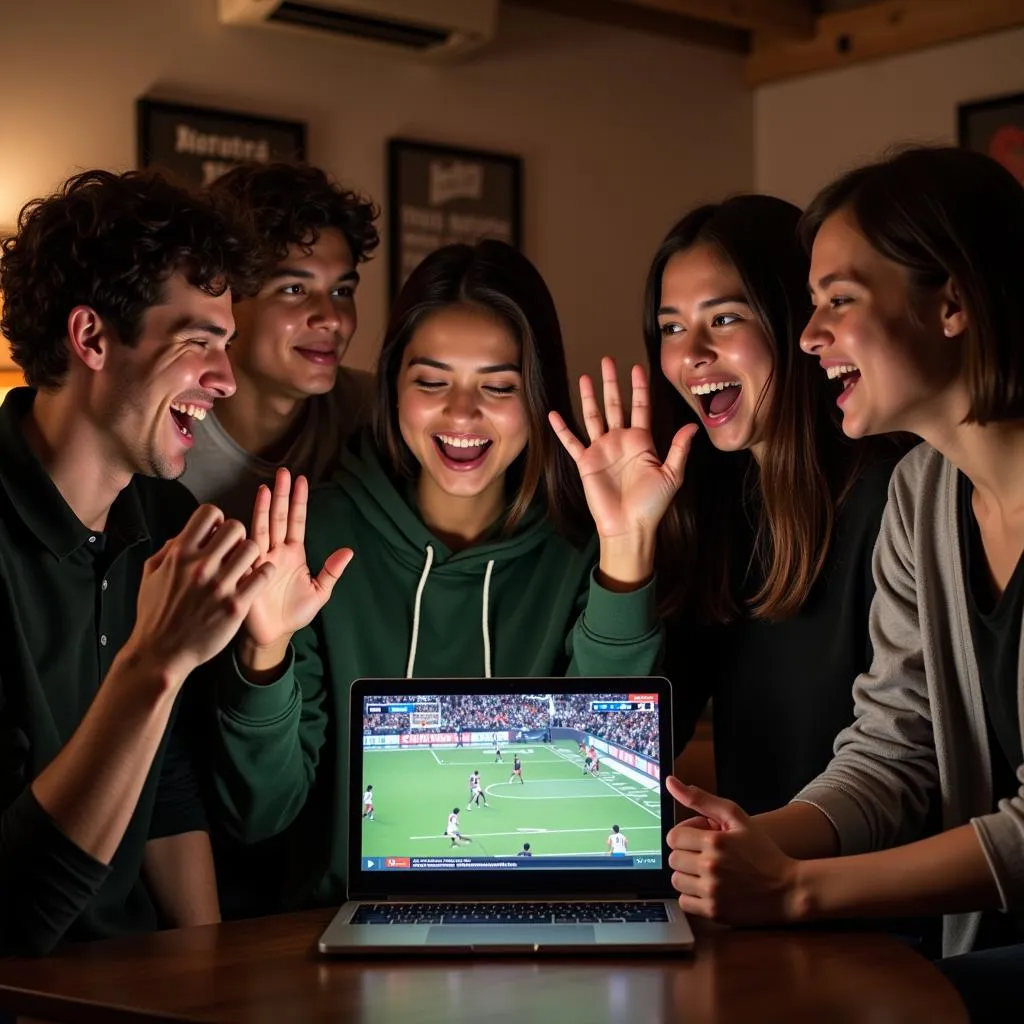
219	471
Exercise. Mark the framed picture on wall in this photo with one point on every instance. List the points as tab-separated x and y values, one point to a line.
198	144
439	194
996	127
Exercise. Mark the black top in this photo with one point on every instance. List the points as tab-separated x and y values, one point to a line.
782	690
995	629
67	604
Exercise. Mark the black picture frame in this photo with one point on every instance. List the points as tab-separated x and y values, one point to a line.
995	126
439	194
197	144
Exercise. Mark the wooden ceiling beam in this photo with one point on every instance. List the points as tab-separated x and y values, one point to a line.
880	29
624	14
791	18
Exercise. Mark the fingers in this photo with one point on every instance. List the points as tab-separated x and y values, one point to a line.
640	412
252	586
570	442
592	418
296	532
221	543
686	862
679	452
279	507
197	530
612	399
236	564
260	532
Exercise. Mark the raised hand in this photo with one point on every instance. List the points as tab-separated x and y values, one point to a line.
628	488
195	592
725	867
295	595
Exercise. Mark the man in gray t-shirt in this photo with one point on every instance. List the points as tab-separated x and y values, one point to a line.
295	405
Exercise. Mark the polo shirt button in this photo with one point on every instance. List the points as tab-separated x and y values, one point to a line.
103	640
103	586
92	540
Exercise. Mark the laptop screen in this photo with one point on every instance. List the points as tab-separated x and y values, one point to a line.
511	782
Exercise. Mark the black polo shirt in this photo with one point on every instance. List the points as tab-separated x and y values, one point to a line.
67	605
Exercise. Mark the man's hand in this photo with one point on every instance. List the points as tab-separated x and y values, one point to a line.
195	592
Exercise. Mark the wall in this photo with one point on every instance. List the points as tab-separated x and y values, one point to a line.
613	148
807	130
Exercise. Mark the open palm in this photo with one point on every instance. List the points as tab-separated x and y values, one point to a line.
294	595
628	488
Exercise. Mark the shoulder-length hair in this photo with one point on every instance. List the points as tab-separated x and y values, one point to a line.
944	213
704	550
494	277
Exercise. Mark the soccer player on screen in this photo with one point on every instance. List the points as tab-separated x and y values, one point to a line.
368	803
617	843
517	769
476	791
452	831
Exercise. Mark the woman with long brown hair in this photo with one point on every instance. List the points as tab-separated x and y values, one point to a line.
764	556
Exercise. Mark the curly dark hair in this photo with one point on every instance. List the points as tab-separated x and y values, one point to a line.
290	204
110	241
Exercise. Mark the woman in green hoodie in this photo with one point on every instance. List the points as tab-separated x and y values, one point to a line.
474	554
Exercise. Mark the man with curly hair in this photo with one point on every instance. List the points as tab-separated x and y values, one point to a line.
295	405
114	587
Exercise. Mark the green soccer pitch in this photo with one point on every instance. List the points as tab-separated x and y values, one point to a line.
557	809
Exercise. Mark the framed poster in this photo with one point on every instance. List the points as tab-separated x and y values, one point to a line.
996	127
440	194
198	144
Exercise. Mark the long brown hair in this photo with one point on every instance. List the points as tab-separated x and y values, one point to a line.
495	277
731	516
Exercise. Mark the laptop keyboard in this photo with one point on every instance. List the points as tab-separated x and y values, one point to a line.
631	912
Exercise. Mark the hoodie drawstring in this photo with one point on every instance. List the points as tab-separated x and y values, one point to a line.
416	612
483	618
416	615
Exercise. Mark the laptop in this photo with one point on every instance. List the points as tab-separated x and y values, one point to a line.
509	816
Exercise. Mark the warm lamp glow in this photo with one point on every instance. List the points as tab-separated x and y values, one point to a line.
10	375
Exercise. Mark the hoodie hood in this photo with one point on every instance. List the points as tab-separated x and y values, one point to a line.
393	514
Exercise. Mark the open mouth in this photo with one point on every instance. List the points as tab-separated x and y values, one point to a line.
462	451
319	356
717	399
847	375
183	415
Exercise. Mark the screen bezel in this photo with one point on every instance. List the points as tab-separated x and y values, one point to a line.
634	882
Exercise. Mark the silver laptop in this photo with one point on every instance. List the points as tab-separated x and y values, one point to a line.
509	816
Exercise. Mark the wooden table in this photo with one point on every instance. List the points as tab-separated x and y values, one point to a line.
268	971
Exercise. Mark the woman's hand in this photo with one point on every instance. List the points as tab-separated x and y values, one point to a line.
628	488
293	596
725	867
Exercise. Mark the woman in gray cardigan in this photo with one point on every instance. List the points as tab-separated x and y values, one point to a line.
917	276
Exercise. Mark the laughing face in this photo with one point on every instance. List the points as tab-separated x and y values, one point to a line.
150	393
891	351
713	349
293	335
461	409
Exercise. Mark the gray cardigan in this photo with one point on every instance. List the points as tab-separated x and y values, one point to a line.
920	720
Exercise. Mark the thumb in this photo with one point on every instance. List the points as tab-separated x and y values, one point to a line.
675	461
715	809
335	565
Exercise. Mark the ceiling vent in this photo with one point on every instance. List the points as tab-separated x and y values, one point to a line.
430	29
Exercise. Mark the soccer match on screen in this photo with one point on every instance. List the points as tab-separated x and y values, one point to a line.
510	781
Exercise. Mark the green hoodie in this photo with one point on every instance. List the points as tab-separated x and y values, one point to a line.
406	606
